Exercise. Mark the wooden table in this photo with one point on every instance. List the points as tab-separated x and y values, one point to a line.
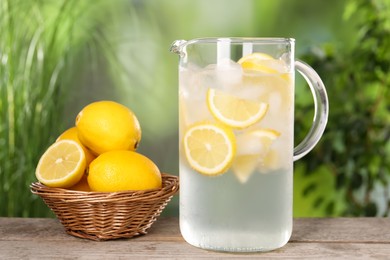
325	238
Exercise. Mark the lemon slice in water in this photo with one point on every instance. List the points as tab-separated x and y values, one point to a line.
234	111
209	148
257	61
253	148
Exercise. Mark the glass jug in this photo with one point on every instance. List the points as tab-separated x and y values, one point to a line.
236	130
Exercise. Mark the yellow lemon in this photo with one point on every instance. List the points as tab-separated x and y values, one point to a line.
234	111
123	170
209	148
62	165
106	125
71	134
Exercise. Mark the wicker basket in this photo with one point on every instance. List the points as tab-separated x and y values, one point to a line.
103	215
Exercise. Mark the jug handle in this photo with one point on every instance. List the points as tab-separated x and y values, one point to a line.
321	110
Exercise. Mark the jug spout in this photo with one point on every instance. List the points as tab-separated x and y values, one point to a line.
177	47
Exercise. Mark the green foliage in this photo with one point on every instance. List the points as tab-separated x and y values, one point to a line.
355	149
39	47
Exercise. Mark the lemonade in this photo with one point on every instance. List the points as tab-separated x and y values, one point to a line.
236	189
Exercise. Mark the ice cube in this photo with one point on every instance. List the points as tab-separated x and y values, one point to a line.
275	102
228	73
193	110
279	65
195	82
248	144
251	92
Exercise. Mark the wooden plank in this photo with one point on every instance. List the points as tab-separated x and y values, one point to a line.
180	250
19	229
325	238
358	230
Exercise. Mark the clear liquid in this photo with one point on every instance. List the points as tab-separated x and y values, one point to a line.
219	213
224	212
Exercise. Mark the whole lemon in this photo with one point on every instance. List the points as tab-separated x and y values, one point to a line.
71	134
107	125
123	170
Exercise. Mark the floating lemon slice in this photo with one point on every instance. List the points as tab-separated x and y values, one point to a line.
233	111
260	140
272	76
265	64
62	165
255	61
209	148
244	166
253	148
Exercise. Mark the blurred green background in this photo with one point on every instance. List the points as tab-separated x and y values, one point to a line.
58	56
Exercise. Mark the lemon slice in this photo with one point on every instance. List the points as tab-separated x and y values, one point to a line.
257	61
255	56
244	166
259	140
253	149
233	111
62	165
209	148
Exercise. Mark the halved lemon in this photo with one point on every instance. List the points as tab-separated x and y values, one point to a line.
209	148
71	134
234	111
62	165
253	148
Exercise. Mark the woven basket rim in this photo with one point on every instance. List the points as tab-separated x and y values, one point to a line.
170	185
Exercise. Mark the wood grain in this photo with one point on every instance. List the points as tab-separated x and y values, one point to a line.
322	238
